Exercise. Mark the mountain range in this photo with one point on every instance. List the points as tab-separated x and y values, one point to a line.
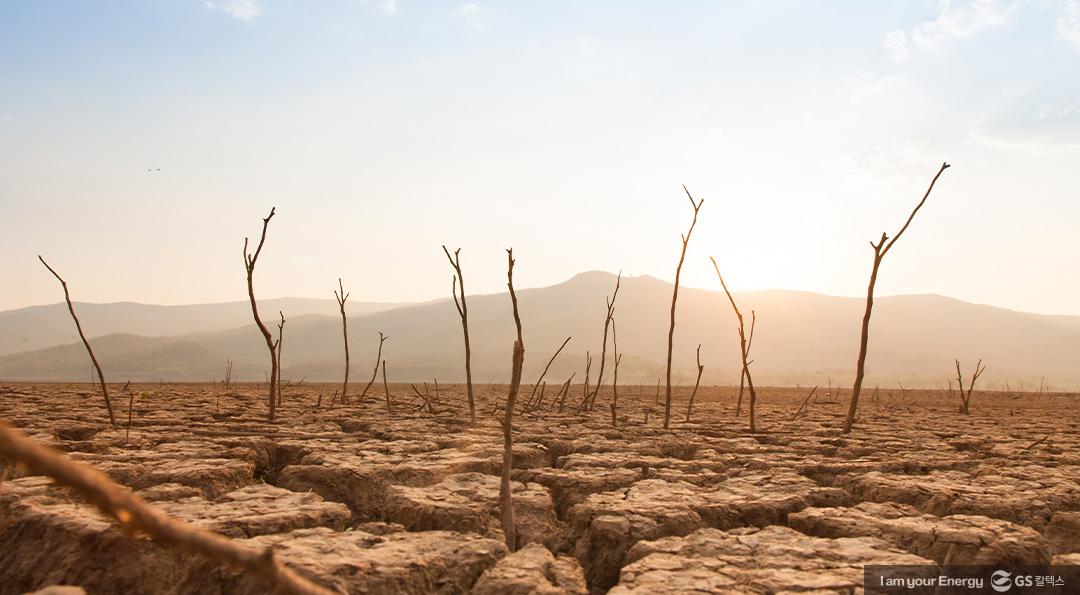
800	338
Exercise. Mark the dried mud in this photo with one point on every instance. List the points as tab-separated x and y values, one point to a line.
365	501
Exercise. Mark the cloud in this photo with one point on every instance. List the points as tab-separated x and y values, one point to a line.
466	9
245	10
957	20
1068	24
387	7
954	20
896	42
1044	130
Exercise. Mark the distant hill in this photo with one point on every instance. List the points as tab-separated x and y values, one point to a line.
37	327
801	337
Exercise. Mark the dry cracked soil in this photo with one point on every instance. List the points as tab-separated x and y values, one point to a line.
362	500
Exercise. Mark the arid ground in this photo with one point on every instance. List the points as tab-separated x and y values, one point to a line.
365	501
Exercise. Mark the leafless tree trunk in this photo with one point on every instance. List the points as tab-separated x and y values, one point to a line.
539	400
965	397
615	377
78	327
744	345
697	383
425	398
603	351
341	297
585	387
375	373
228	373
463	313
742	373
880	250
506	504
386	387
280	348
249	265
564	391
544	373
131	405
674	299
136	516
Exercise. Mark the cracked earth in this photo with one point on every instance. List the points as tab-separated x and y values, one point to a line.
365	501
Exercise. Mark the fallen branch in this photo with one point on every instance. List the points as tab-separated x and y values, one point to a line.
136	516
1037	442
805	401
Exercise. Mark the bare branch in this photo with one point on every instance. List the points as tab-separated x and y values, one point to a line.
249	265
136	516
864	333
744	350
674	299
375	372
463	312
86	344
341	297
944	166
544	373
506	506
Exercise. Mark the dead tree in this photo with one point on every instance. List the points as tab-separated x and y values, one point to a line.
425	398
615	378
585	387
742	373
78	327
341	297
697	383
610	302
674	299
544	373
744	345
249	265
131	405
539	400
506	504
280	347
228	373
880	250
136	516
386	388
565	390
463	313
375	373
965	397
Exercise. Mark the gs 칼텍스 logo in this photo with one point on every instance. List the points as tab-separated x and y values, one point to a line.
1000	581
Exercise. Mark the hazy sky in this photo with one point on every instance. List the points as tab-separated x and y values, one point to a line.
383	129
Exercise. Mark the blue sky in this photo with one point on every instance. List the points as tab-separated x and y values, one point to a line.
381	130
